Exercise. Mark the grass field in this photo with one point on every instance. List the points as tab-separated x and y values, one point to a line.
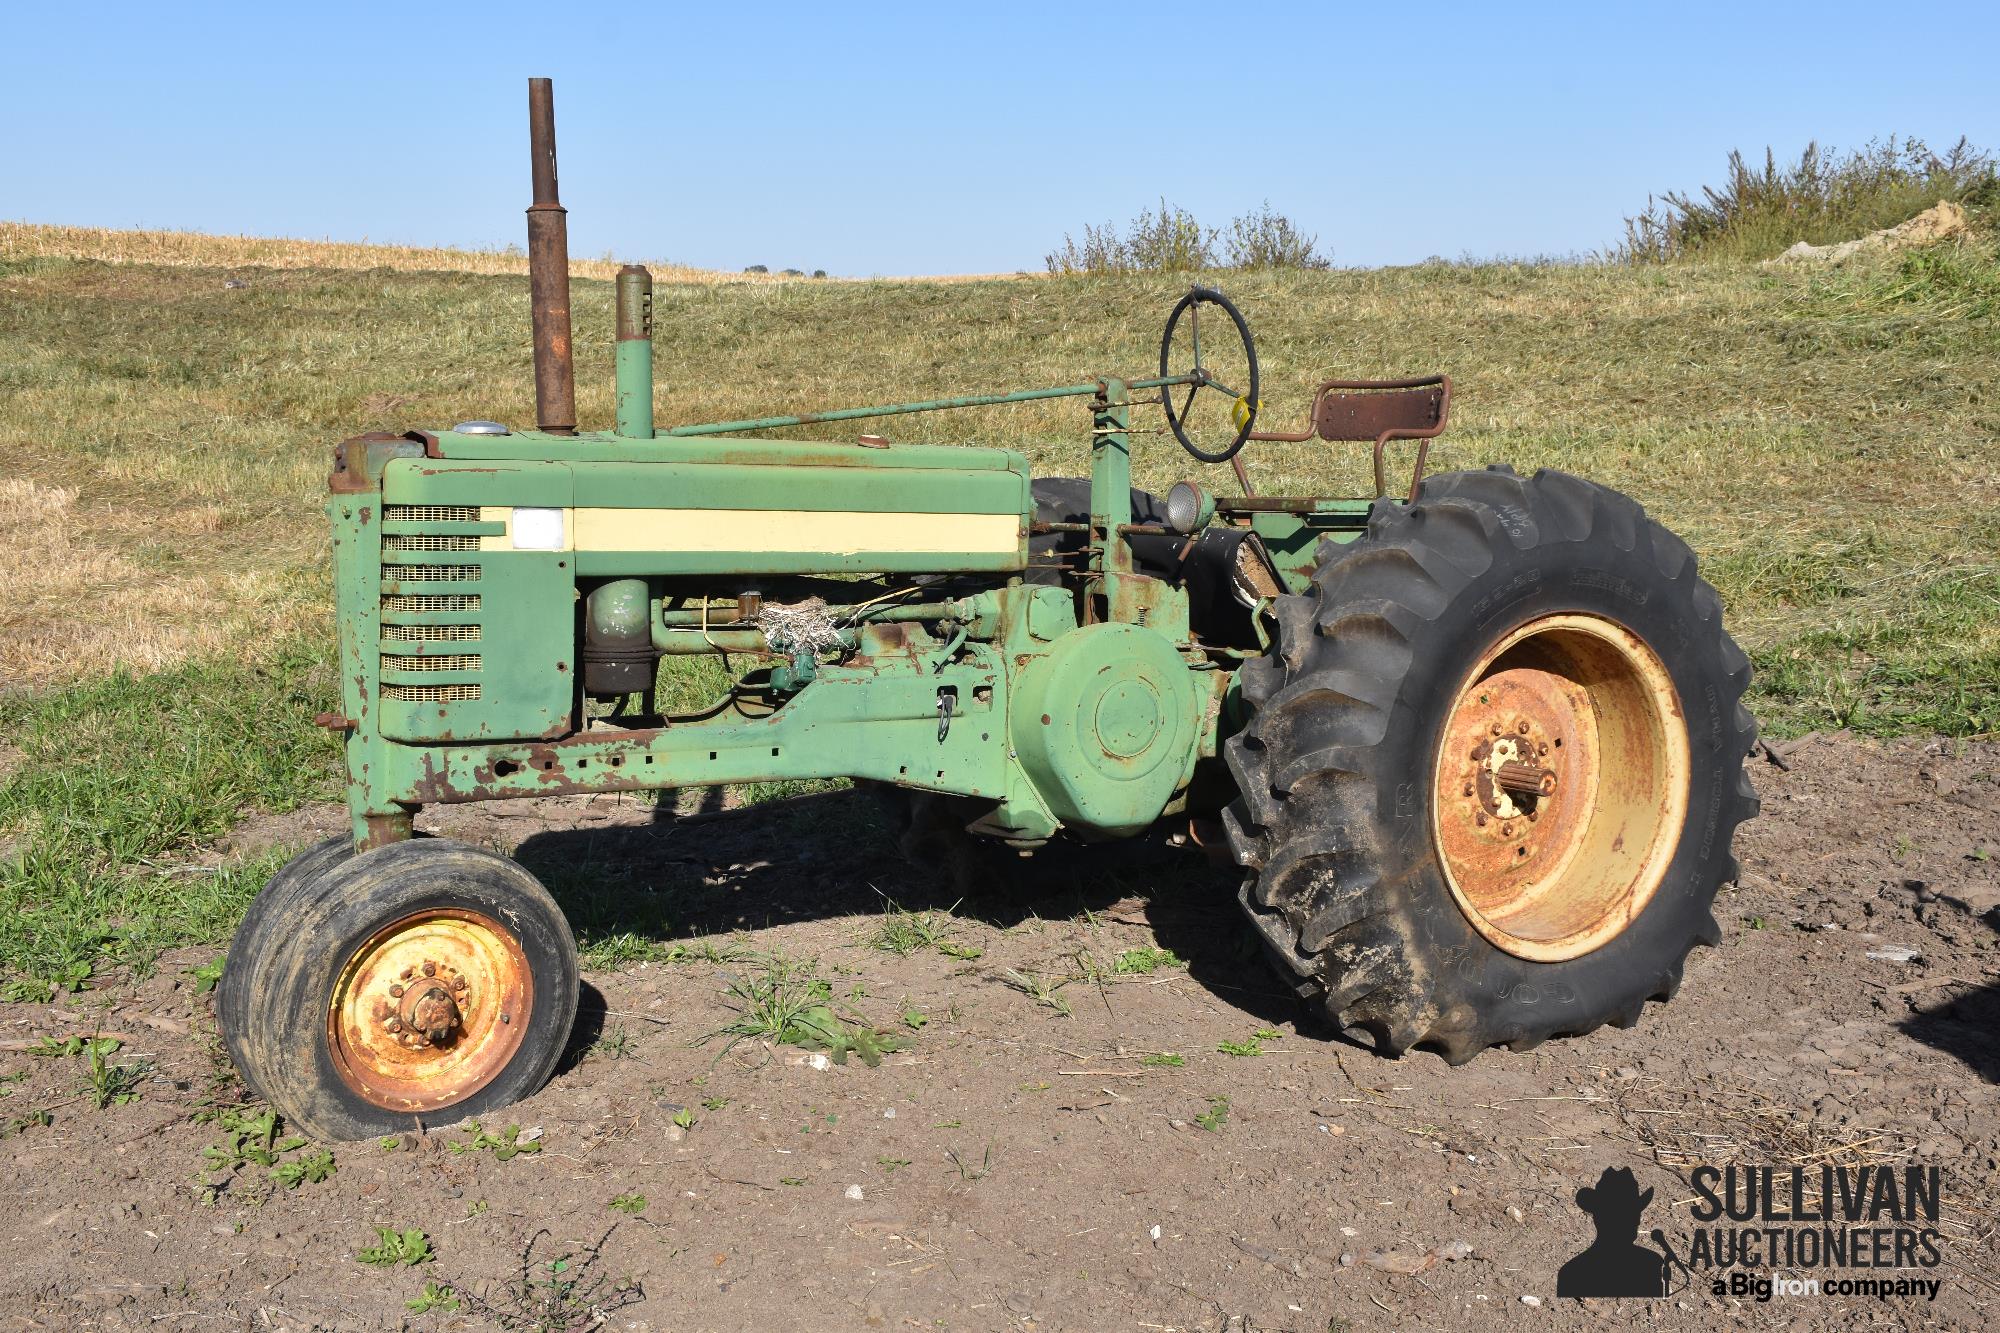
1824	439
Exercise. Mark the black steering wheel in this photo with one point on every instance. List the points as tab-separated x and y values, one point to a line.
1190	305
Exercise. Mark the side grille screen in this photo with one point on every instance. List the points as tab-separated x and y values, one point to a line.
428	541
430	513
436	662
431	694
404	604
431	633
430	573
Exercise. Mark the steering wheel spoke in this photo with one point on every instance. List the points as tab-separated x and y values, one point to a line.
1200	378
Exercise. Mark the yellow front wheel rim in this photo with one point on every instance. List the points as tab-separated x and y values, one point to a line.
429	1010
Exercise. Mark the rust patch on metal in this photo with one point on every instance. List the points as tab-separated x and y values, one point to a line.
384	830
359	460
1369	410
548	272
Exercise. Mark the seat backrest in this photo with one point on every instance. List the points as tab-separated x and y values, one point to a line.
1372	409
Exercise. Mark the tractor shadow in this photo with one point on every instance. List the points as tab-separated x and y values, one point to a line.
632	885
591	1011
1966	1026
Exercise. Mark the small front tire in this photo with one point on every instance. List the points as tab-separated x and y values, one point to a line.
234	991
419	983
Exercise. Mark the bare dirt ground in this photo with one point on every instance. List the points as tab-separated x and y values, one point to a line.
1018	1167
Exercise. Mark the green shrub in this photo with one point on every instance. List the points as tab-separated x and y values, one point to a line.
1824	197
1265	239
1173	240
1170	241
1101	251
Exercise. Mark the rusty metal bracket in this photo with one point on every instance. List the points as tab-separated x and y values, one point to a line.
358	462
1379	410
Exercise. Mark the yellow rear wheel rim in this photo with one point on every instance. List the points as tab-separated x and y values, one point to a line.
1560	786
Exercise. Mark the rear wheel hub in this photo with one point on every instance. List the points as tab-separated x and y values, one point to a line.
1560	786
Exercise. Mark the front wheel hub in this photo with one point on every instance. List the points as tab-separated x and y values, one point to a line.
431	1013
1560	786
429	1009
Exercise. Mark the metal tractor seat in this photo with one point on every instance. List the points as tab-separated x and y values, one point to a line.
1379	410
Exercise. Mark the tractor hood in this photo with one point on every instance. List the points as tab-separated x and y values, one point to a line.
727	505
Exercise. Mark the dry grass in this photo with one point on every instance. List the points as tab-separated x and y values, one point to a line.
35	240
70	606
1822	440
1722	1124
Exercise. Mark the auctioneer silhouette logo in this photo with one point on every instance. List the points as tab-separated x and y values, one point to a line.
1615	1264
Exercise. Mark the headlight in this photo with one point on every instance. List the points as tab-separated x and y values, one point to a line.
1189	507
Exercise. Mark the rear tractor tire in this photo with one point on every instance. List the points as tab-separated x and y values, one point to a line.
416	984
1493	768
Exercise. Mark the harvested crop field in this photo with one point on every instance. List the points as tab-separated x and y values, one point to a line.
1089	1160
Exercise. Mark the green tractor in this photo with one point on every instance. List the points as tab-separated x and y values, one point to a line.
1477	747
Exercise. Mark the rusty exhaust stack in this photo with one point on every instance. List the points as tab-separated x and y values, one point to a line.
548	272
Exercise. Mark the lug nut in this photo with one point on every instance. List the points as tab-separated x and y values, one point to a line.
1543	748
1522	726
396	990
458	984
430	969
1506	830
1533	815
394	1025
1468	789
1496	728
1480	819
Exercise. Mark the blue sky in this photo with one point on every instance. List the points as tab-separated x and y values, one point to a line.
940	138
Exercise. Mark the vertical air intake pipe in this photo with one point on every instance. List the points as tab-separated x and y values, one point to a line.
635	353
